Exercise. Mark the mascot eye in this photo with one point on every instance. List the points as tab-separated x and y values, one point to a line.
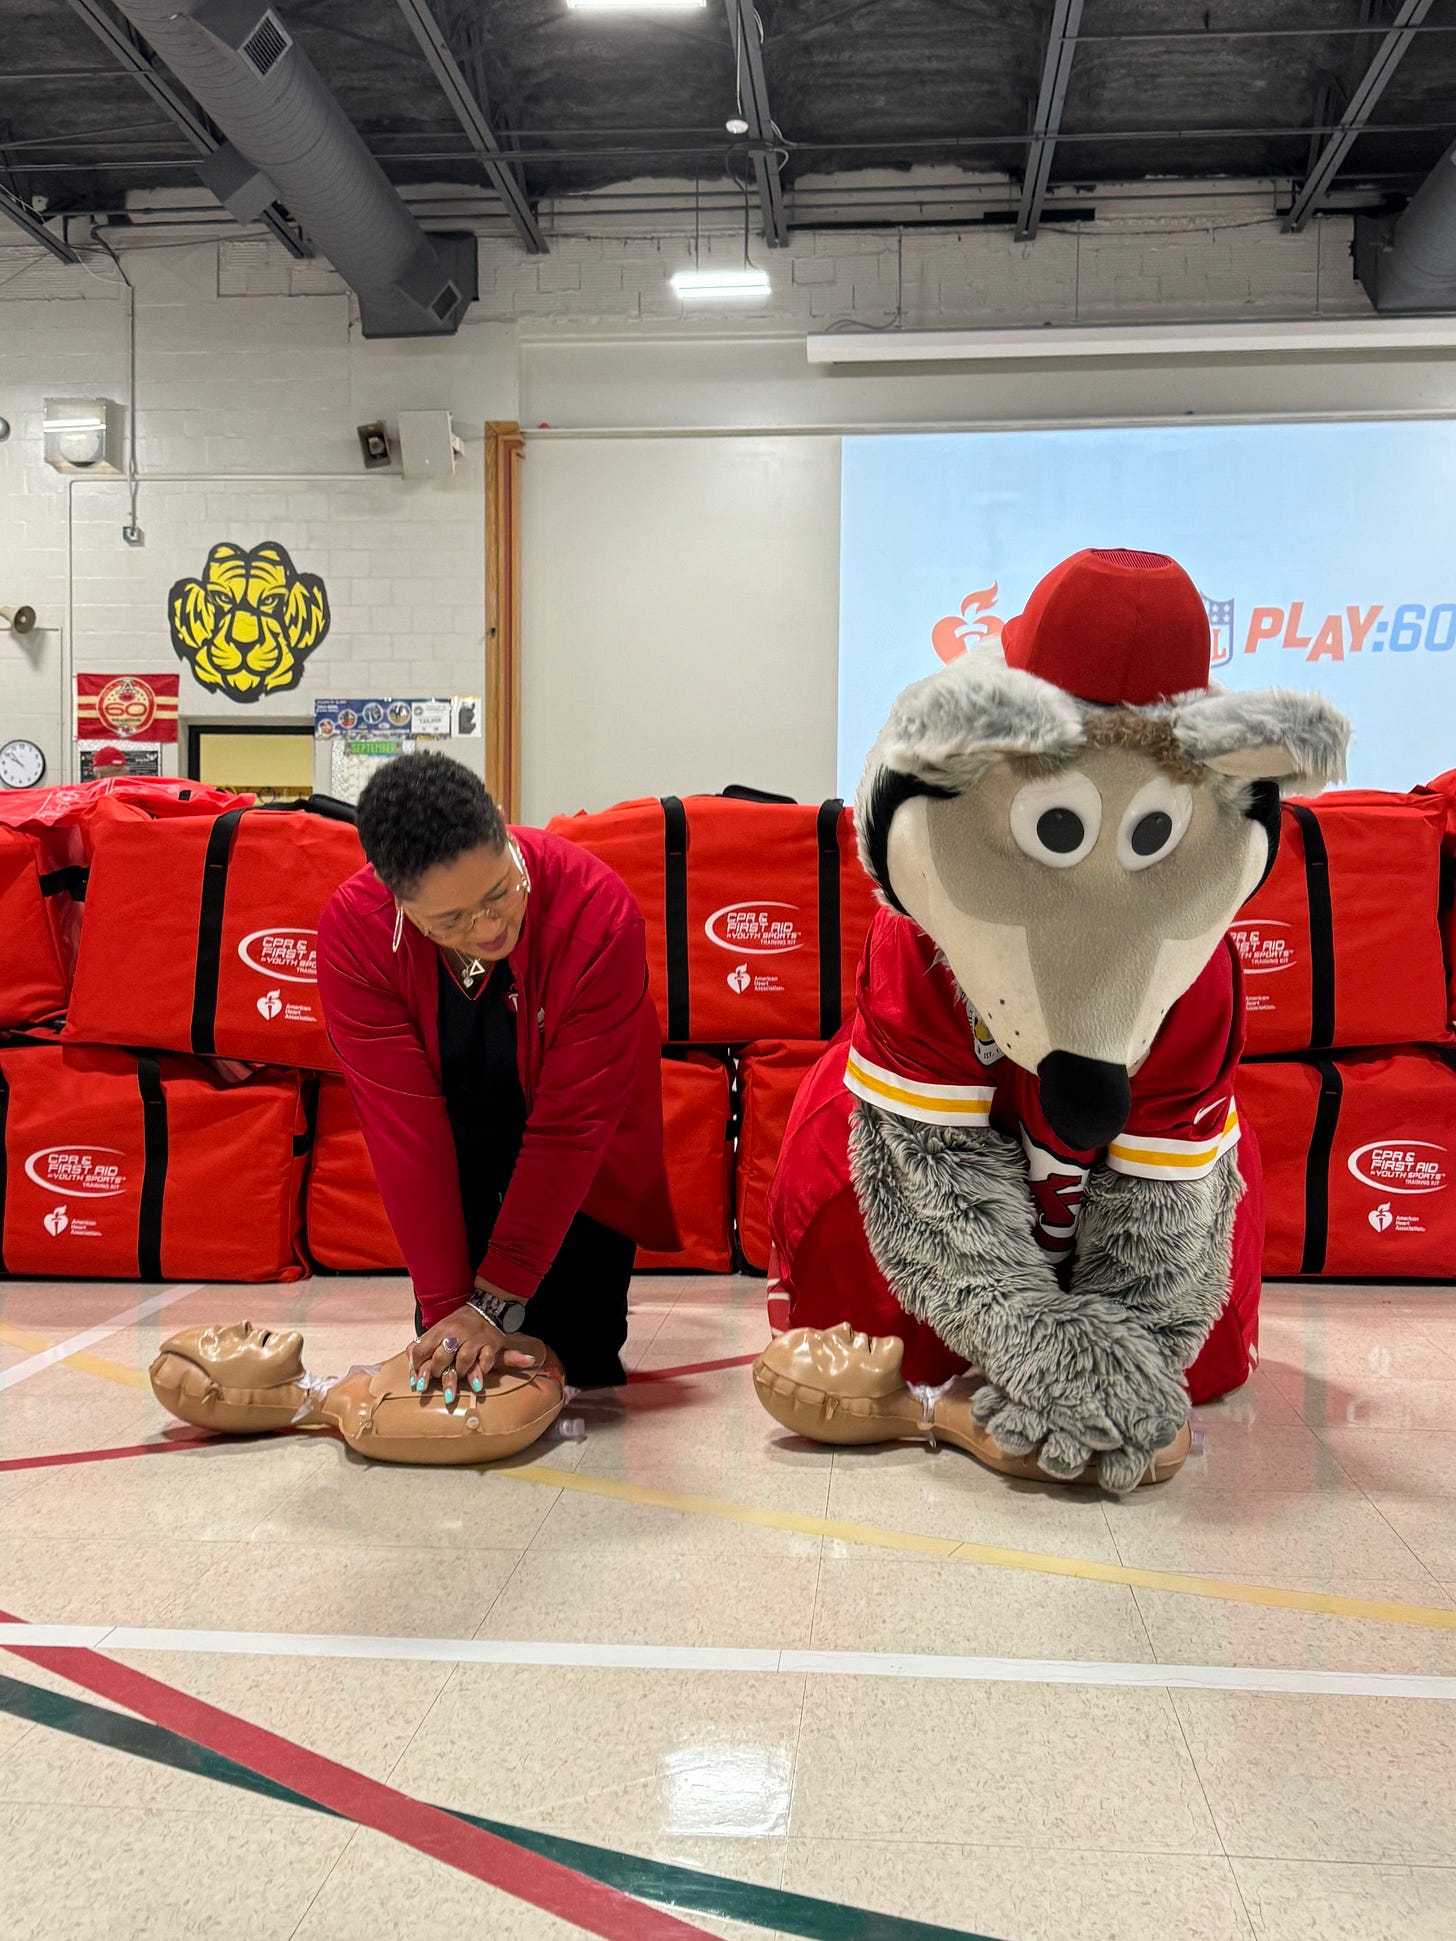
271	602
1154	823
1056	822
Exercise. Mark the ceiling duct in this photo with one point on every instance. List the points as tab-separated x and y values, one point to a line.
287	133
1407	262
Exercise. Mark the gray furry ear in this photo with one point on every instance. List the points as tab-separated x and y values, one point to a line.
1279	734
946	730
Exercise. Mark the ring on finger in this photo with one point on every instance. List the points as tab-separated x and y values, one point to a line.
450	1344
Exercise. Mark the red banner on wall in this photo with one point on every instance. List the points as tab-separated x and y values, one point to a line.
140	707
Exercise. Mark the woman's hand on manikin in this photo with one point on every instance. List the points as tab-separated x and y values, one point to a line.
479	1345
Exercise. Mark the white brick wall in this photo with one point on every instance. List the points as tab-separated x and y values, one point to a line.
249	363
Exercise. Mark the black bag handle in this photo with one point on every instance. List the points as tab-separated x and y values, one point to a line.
327	806
1317	1167
154	1168
740	792
675	914
1321	928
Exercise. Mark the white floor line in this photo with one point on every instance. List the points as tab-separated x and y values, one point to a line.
653	1657
78	1343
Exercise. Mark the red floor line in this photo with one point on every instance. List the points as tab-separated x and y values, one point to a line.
124	1450
527	1876
691	1368
107	1455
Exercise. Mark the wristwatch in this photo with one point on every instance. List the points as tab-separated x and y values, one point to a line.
508	1316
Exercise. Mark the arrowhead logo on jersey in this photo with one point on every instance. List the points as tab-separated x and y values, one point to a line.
56	1222
270	1004
740	979
1381	1217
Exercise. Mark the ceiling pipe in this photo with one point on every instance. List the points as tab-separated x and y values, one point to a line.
288	140
1407	263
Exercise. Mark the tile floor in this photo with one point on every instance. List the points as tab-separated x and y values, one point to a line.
1044	1802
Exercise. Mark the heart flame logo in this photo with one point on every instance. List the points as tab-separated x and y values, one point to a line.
958	632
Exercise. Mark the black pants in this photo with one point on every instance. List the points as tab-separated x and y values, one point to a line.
580	1308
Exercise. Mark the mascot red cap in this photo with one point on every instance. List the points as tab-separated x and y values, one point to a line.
1113	627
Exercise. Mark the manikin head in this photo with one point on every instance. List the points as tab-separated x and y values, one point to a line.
1075	817
440	846
242	1356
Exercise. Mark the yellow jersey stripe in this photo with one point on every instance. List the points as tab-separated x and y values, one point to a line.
933	1105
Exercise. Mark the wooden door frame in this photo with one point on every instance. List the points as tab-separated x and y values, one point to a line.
505	451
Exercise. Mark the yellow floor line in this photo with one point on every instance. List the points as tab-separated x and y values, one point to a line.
952	1549
106	1371
1177	1583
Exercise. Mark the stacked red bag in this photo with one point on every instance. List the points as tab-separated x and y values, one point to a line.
1349	1079
169	930
757	910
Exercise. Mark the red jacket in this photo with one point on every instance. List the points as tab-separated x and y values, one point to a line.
588	1050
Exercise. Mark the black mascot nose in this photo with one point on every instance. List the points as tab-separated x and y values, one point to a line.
1086	1100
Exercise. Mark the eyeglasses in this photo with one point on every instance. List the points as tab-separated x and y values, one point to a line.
494	910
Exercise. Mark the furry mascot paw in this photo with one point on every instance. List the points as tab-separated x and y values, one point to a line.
1023	1154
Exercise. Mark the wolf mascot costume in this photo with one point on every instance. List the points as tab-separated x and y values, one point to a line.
1016	1208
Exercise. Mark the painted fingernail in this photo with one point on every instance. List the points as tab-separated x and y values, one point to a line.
476	1383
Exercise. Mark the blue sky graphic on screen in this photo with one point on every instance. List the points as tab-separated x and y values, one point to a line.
1324	553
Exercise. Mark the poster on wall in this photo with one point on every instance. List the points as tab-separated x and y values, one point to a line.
247	626
103	761
381	715
140	707
1322	553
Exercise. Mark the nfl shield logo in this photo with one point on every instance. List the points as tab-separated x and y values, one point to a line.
1221	627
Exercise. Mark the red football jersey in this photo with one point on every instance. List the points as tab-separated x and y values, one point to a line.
919	1050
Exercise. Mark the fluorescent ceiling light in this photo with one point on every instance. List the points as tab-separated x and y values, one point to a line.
722	283
636	6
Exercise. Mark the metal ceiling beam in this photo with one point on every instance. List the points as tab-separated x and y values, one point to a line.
1056	71
743	23
474	120
13	210
131	51
1361	105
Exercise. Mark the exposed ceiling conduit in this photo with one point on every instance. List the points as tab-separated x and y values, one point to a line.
290	141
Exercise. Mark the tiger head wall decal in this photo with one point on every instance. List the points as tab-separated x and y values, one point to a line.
249	624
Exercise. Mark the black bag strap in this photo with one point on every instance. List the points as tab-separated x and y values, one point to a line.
1317	1167
327	806
831	997
675	896
154	1168
1321	929
738	792
4	1162
303	1141
209	930
70	881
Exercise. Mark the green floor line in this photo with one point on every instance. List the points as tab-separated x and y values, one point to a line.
649	1880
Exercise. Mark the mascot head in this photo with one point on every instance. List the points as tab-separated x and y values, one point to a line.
1075	816
248	625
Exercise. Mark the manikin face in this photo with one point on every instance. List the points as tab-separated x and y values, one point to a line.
242	1356
475	904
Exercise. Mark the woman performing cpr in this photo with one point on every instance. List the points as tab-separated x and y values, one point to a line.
486	994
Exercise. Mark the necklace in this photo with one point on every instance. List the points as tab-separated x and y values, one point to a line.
470	970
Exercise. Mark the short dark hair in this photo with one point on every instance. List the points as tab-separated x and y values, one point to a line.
424	809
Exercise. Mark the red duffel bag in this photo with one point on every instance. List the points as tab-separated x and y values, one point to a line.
697	1143
1342	947
344	1218
757	910
62	824
769	1076
33	980
126	1167
1359	1163
201	933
